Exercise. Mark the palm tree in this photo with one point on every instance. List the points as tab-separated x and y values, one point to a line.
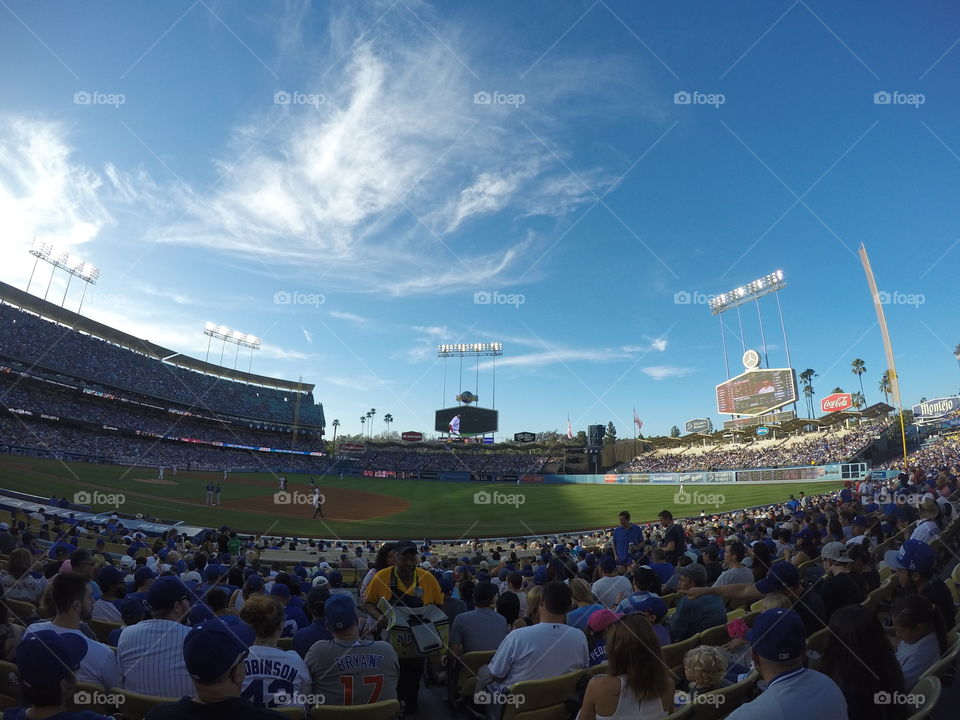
806	380
885	386
858	367
336	424
387	419
858	401
371	414
838	389
363	425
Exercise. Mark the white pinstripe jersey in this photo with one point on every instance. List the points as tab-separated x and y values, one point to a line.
151	659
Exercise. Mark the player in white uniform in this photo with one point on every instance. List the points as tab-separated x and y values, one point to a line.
317	502
160	475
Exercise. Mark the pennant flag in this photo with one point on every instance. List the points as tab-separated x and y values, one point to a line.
637	421
455	425
569	429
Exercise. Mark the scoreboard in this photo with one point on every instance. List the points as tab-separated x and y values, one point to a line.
757	391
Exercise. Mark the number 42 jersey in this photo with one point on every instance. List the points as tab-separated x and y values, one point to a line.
275	678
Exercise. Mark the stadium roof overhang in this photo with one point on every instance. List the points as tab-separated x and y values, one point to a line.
39	306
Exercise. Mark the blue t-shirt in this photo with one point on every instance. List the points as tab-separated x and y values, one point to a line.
623	538
599	652
304	639
579	617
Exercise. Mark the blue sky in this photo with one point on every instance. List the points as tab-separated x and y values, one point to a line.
216	159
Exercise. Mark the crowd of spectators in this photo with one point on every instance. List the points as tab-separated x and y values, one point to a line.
47	346
817	448
452	461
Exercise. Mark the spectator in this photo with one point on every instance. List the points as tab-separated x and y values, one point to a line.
862	662
928	527
611	587
132	611
547	649
585	601
18	582
73	602
736	572
113	589
660	566
695	614
515	585
10	634
645	582
214	658
534	597
294	617
273	677
625	535
479	629
7	541
637	684
48	665
508	606
837	587
304	638
674	539
339	666
914	565
655	611
596	634
921	636
703	670
151	653
386	557
793	692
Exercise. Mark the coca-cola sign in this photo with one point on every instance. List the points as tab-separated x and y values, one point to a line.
836	402
411	436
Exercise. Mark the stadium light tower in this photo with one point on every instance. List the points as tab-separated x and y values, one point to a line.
751	292
75	267
221	332
477	350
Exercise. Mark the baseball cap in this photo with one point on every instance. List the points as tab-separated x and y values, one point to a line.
316	600
484	593
695	572
212	572
602	619
46	657
781	575
320	581
778	635
860	520
404	546
651	604
913	555
142	574
339	612
835	551
254	582
211	649
165	592
4	526
280	589
133	609
446	585
540	576
608	564
109	575
192	577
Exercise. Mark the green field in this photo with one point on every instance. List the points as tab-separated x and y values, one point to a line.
438	510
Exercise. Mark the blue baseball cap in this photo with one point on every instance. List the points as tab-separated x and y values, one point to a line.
280	589
608	564
913	555
339	612
335	578
133	608
778	635
446	585
109	576
780	575
540	576
165	592
651	604
212	572
860	520
141	575
211	649
46	657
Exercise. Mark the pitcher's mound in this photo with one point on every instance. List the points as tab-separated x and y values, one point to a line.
154	481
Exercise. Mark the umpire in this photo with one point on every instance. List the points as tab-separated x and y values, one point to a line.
406	585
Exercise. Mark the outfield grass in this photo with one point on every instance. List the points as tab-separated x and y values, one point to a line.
437	510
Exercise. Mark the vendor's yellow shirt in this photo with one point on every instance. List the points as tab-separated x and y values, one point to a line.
379	587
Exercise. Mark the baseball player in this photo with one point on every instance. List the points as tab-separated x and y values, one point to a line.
160	473
217	494
210	489
317	503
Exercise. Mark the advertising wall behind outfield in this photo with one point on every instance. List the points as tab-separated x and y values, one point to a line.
834	472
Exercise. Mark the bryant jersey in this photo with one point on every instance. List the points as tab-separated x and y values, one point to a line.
275	677
355	673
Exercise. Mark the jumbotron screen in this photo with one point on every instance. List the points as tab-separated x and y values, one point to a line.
473	420
757	391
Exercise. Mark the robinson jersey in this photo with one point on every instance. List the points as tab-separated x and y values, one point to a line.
275	677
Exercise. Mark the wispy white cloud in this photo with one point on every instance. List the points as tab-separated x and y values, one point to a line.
554	356
662	372
306	335
349	317
658	344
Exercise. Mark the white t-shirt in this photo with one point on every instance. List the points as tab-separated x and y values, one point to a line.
610	589
106	610
99	665
540	651
926	531
275	677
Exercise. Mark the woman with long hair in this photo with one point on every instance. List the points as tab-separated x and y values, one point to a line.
760	553
17	583
637	685
384	559
534	596
586	604
274	676
859	658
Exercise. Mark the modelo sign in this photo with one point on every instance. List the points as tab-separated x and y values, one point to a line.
699	425
836	402
936	408
411	436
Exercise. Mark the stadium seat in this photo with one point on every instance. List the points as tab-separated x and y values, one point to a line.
716	635
945	668
292	711
383	710
470	663
136	705
547	697
727	699
9	679
885	572
7	702
815	645
102	628
285	643
670	599
673	653
21	610
595	670
928	690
